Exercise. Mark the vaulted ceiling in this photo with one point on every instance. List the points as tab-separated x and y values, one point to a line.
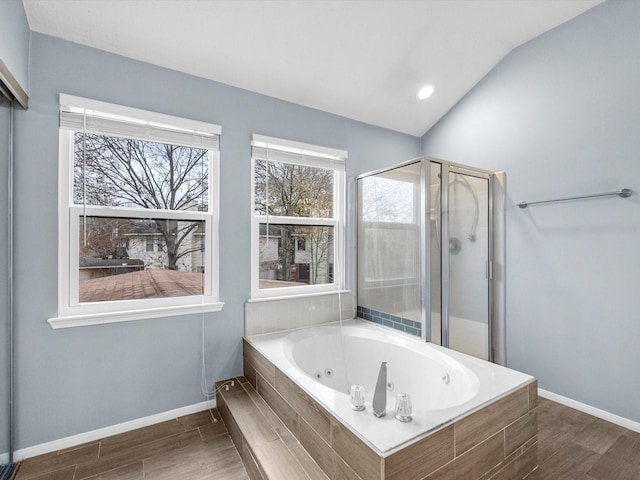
362	59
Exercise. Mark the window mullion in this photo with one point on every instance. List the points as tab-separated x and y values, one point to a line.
142	213
280	220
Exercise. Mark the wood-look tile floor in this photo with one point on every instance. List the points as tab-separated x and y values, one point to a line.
575	446
571	446
187	448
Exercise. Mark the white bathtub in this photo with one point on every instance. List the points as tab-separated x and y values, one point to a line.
444	385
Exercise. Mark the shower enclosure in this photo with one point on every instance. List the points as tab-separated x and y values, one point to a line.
427	253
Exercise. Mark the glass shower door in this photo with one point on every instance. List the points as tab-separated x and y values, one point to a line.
389	249
466	262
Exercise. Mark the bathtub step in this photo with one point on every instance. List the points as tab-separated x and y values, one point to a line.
267	448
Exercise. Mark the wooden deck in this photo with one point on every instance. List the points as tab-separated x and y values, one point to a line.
151	283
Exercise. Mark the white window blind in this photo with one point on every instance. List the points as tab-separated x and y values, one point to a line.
278	150
80	114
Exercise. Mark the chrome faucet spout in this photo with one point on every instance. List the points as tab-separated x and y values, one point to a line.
380	395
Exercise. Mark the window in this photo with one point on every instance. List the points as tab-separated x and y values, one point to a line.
297	229
138	214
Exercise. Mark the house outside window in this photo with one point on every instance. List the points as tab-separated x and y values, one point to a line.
298	218
138	214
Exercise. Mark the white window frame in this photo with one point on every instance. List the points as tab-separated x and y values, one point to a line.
319	156
131	123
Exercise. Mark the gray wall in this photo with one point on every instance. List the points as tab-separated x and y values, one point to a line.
79	379
560	114
14	52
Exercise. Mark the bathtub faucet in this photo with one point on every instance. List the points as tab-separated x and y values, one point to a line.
380	395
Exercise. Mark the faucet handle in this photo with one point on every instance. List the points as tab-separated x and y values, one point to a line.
403	407
357	398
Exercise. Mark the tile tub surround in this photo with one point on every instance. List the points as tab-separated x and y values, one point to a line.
276	314
388	320
498	441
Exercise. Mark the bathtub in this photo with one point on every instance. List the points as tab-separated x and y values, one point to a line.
445	386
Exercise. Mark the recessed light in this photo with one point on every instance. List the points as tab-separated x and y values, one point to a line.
425	92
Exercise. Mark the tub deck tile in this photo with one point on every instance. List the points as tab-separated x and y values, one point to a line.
279	405
473	429
423	457
342	471
311	465
259	363
518	465
364	461
318	449
305	406
475	462
533	394
521	431
249	371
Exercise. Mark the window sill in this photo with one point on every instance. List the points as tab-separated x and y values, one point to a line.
68	321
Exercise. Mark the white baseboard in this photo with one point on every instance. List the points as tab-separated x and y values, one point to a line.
94	435
596	412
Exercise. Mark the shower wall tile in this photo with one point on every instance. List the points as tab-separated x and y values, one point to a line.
266	316
401	300
396	322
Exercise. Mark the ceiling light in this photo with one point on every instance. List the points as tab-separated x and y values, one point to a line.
425	92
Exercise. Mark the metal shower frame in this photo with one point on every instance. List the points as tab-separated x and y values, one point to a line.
425	246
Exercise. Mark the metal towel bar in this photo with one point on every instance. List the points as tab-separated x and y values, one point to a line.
623	193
